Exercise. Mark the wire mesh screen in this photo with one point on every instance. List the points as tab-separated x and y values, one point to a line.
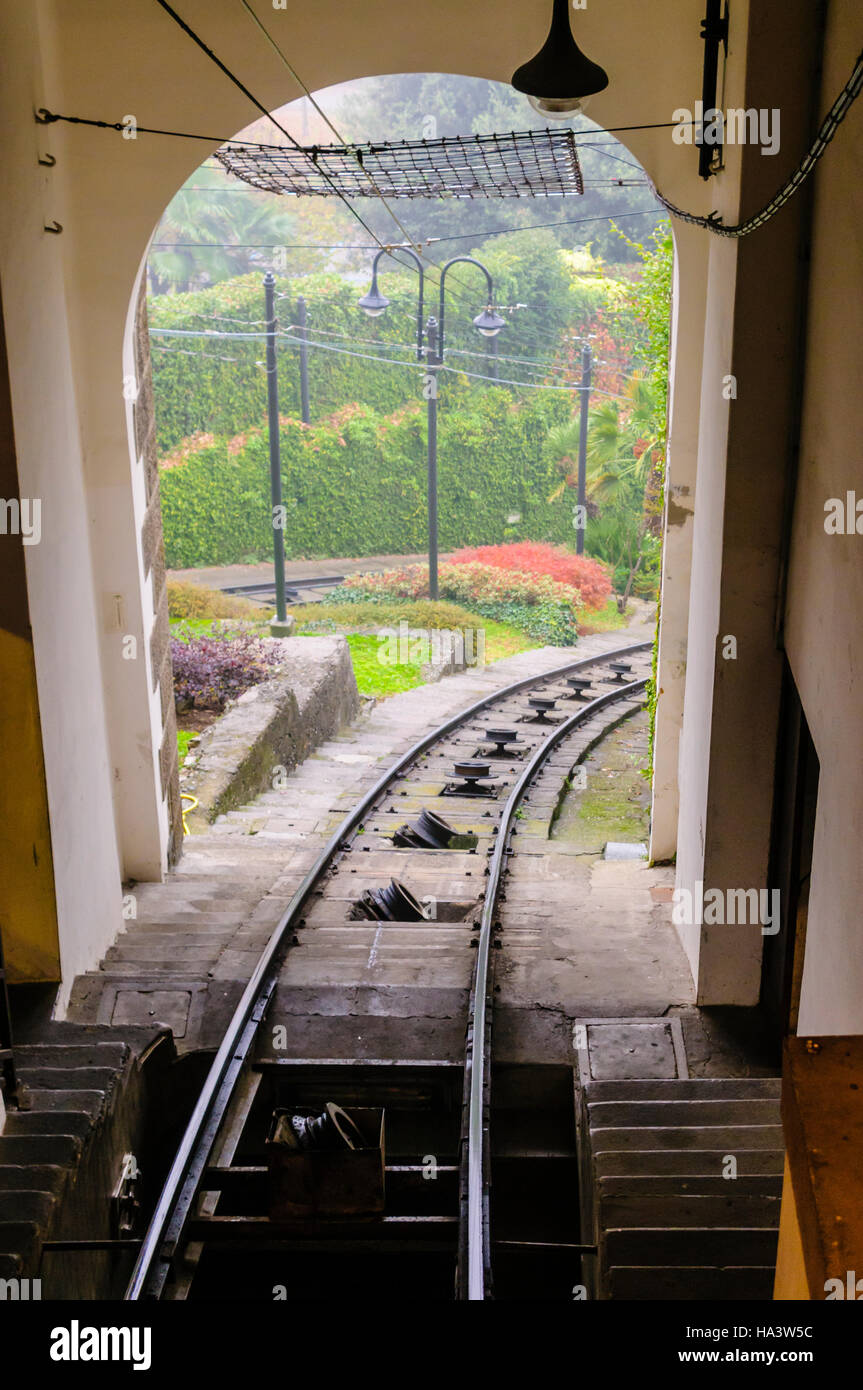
520	164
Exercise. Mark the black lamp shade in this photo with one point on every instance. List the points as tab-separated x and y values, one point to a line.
488	322
559	73
374	302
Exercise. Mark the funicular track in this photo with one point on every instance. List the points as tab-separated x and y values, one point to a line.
198	1212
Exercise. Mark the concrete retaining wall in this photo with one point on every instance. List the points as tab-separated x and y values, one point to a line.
275	724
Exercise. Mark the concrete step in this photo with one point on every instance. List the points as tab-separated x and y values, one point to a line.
170	938
24	1150
67	1078
42	1177
181	933
52	1102
201	890
698	1088
752	1283
192	918
25	1205
647	1210
705	1246
18	1242
180	971
709	1162
662	1113
729	1138
693	1185
157	951
79	1056
33	1123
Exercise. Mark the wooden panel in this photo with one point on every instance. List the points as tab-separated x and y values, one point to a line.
822	1111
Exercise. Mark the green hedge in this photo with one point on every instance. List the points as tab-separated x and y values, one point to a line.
196	389
360	488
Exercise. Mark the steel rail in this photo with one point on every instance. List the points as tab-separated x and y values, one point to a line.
478	1243
178	1192
314	582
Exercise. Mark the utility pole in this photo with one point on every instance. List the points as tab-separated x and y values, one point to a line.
584	396
430	385
305	414
277	512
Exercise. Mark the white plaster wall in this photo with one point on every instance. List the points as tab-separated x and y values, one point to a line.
142	812
687	326
823	635
51	467
712	420
694	764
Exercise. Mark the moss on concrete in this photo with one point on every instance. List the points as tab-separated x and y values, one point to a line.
615	804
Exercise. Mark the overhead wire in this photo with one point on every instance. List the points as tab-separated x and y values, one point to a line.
295	75
415	244
187	29
388	361
345	246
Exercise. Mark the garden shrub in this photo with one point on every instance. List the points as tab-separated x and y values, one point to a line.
378	613
536	604
468	581
588	576
210	671
217	385
192	602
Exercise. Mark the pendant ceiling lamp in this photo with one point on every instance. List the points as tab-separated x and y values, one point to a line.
559	79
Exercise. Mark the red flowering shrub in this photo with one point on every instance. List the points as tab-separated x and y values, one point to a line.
465	582
537	604
589	577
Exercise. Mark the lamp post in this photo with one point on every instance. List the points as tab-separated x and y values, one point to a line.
584	399
279	629
430	346
305	412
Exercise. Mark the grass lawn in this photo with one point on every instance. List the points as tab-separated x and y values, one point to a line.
373	677
602	620
184	738
379	679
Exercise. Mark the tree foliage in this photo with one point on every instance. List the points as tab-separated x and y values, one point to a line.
626	438
218	386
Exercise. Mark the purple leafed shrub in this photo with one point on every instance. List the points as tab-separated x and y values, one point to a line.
210	671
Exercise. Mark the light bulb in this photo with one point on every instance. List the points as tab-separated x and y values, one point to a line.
558	108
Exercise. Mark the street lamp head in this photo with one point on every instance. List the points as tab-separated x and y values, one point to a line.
559	79
374	303
488	322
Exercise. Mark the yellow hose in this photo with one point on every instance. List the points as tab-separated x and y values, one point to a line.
187	796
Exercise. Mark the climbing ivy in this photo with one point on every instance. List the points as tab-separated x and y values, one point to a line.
356	485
